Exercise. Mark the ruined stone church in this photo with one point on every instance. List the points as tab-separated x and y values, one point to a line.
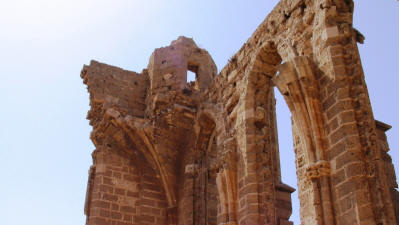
172	152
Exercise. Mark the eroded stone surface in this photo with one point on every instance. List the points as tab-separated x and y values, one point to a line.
206	152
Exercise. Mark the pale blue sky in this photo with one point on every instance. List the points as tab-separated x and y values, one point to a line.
44	136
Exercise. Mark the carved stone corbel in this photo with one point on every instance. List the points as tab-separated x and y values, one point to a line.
318	170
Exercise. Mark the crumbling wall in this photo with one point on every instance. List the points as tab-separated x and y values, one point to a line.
122	187
212	144
112	86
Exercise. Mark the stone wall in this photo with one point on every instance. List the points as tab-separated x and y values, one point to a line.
111	86
123	191
206	152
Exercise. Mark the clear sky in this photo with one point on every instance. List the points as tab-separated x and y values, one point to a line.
44	136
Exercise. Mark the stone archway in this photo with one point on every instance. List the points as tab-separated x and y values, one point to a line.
124	178
274	202
297	83
206	204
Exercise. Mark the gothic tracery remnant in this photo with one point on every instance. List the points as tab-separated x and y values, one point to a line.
174	152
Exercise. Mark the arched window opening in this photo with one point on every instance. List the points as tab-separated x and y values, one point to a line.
286	150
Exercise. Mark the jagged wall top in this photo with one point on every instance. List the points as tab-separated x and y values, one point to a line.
168	66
